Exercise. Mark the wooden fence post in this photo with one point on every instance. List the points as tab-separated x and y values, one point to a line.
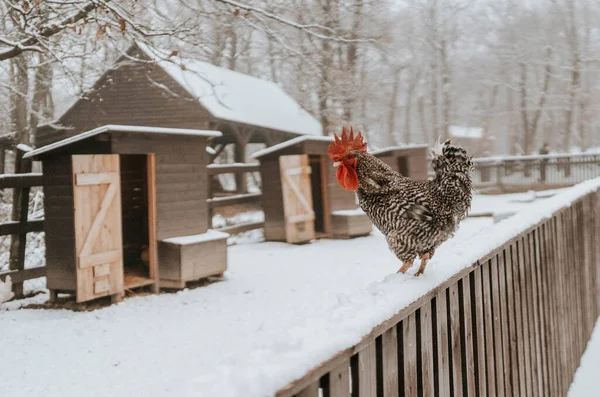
20	208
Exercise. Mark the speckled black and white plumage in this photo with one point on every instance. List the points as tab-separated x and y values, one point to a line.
416	216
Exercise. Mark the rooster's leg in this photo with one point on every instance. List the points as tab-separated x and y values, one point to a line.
424	259
406	265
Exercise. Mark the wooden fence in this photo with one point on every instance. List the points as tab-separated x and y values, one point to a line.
513	324
535	171
232	199
18	228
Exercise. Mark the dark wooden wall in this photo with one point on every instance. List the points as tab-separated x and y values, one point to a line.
181	179
59	223
272	199
134	205
126	95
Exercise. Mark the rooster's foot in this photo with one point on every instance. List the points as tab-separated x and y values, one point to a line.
424	259
405	266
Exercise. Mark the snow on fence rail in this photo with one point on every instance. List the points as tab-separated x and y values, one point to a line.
555	170
513	321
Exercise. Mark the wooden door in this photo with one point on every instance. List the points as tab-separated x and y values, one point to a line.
299	216
98	233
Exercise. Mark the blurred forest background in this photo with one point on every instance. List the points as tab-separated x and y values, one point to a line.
514	73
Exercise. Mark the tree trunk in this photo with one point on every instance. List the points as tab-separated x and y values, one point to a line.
325	65
446	95
18	98
393	107
426	134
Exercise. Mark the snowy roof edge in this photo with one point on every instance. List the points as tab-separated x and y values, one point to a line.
120	128
288	143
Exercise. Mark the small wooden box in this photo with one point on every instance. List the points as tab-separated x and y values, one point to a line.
189	258
350	223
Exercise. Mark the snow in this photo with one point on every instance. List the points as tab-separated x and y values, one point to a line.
233	96
585	383
210	150
458	131
281	310
288	143
210	235
120	128
354	212
6	290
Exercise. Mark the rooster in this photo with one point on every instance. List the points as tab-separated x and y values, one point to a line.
416	216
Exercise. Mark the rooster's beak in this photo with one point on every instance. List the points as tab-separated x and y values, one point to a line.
337	163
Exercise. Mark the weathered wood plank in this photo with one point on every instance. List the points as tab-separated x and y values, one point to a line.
505	323
409	338
389	343
467	325
455	337
427	354
367	376
443	348
480	348
489	330
339	380
524	288
497	326
514	320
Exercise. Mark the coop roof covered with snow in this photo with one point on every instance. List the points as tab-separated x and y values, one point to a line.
459	131
237	97
119	128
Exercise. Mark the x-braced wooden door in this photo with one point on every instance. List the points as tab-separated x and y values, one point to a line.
297	198
98	233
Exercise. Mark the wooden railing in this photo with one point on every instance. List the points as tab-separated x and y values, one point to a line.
544	171
21	182
515	323
235	199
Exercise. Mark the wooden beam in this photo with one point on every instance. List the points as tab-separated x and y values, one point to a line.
232	200
18	276
217	169
14	227
20	180
152	216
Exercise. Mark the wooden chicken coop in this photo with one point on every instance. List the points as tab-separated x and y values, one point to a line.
410	161
125	207
302	199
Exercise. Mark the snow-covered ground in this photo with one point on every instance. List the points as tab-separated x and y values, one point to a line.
586	382
281	310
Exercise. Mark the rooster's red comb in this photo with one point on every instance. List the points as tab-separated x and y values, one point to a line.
340	146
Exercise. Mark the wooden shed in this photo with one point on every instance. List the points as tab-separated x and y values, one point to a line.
125	207
169	91
410	161
302	199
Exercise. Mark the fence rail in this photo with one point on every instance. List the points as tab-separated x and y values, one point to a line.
235	199
515	323
543	171
20	226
